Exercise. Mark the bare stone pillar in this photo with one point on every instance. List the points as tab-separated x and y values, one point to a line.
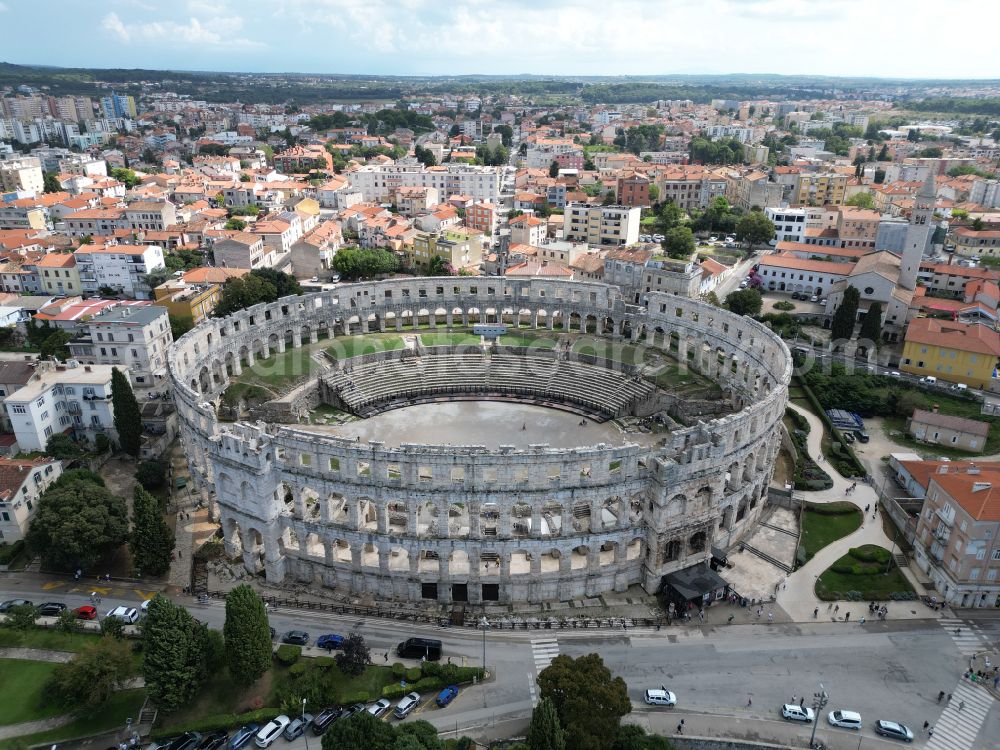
313	335
281	345
382	516
297	338
595	516
329	552
442	526
411	519
354	513
249	357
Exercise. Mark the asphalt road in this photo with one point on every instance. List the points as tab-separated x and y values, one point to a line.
892	670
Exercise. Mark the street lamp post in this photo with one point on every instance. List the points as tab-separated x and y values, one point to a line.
305	733
820	699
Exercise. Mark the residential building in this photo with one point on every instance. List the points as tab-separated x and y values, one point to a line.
482	216
185	301
22	175
459	249
415	201
624	267
303	159
312	254
971	243
18	215
819	189
957	541
601	225
62	399
120	268
950	280
22	481
58	274
633	190
243	250
117	106
14	374
72	313
377	182
128	337
753	189
278	234
95	222
789	223
951	351
527	229
150	215
788	273
944	429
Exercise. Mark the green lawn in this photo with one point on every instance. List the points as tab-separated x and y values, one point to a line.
291	364
219	695
345	347
54	640
538	340
824	523
450	338
853	577
627	353
21	691
110	716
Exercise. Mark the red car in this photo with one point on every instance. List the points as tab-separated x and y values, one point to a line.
86	612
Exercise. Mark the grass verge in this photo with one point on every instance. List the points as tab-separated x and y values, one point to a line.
825	523
109	717
865	573
21	691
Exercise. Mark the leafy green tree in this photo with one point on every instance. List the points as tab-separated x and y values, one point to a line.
861	200
180	324
242	292
51	183
679	242
247	635
113	627
77	523
151	474
754	228
654	194
284	284
354	656
883	153
744	302
422	732
871	324
128	417
842	325
545	732
425	156
360	732
55	345
173	645
236	224
126	176
589	701
152	541
977	224
438	266
632	737
62	446
22	617
364	263
554	169
92	675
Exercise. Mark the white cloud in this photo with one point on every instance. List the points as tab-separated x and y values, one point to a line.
3	7
218	32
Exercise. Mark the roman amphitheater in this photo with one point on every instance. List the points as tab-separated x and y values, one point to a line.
524	469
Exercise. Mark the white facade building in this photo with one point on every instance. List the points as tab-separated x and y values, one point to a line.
380	182
789	223
133	337
119	267
601	225
22	481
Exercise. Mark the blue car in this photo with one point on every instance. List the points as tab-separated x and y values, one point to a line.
330	641
447	695
243	736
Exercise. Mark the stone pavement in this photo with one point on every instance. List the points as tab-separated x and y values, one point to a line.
797	596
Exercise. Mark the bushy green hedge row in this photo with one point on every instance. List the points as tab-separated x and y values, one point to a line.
870	553
220	721
288	654
9	552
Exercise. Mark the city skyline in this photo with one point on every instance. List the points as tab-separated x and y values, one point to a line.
415	37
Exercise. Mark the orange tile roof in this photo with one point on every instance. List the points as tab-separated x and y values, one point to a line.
802	264
977	493
946	334
212	275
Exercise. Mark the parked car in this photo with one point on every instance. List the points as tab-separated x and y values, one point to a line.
893	729
814	298
793	712
659	238
848	437
409	702
960	387
894	374
331	640
242	736
446	696
296	637
144	607
926	380
379	707
86	612
11	603
298	727
128	615
325	718
355	709
660	698
862	436
844	719
796	295
51	609
271	731
214	741
187	741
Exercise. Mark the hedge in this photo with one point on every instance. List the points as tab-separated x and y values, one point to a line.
876	554
220	721
398	670
849	465
413	674
10	551
396	690
288	654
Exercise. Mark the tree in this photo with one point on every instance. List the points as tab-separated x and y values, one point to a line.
679	242
242	292
883	153
55	345
545	732
152	541
51	183
128	417
871	324
151	474
173	644
284	284
360	732
236	224
744	302
654	194
77	523
588	700
454	131
842	326
438	266
22	617
364	263
92	675
425	156
422	733
354	656
754	228
126	176
977	224
180	324
861	200
632	737
554	169
113	627
62	446
247	635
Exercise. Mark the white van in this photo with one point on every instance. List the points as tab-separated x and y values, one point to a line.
660	698
929	380
844	719
960	387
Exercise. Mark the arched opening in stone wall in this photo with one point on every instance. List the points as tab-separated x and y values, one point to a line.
552	518
578	559
634	549
458	563
520	563
607	554
399	560
697	542
458	520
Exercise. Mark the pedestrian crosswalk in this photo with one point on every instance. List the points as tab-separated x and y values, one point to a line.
544	651
959	724
966	635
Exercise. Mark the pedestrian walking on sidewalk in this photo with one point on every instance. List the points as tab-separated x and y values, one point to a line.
847	617
961	705
816	613
680	727
749	701
940	696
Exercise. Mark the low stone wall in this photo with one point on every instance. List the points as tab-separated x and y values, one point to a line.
681	742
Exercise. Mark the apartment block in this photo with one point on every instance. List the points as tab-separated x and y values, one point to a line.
22	481
133	338
601	225
120	268
23	174
378	182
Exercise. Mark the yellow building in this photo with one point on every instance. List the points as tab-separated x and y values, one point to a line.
459	248
58	274
826	189
950	351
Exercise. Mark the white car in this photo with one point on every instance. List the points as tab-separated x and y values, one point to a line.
272	730
128	615
658	238
797	713
407	704
379	707
844	719
660	698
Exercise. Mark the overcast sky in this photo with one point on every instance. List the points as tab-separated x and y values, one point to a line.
913	38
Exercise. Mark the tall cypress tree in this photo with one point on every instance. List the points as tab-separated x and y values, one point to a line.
545	731
842	327
174	651
128	419
248	636
151	541
871	326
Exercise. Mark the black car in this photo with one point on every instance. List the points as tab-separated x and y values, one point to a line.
355	709
51	609
187	741
11	603
214	740
325	718
296	637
